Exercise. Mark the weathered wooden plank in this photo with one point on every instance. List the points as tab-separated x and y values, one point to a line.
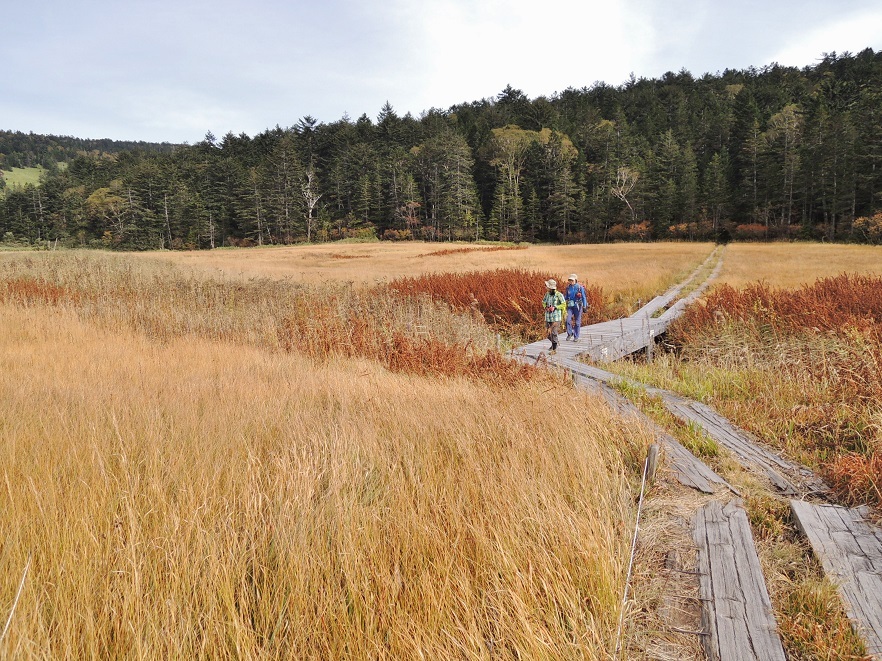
747	453
677	308
788	477
736	608
686	467
850	550
857	539
737	436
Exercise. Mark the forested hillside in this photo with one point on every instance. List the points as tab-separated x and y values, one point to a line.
27	150
777	152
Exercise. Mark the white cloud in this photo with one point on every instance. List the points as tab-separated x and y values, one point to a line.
175	70
852	33
469	51
178	112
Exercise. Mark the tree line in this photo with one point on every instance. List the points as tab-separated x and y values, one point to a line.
774	152
27	150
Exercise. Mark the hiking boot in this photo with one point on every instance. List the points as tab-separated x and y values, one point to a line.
552	352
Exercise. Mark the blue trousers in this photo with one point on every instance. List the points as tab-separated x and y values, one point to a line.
574	321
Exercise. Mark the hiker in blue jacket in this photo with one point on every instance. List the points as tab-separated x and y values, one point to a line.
577	301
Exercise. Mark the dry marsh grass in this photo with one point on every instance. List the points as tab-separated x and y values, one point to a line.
790	265
187	489
627	271
164	302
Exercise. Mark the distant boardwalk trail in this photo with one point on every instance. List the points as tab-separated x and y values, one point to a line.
736	613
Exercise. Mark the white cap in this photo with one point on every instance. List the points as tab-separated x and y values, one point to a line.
573	277
551	284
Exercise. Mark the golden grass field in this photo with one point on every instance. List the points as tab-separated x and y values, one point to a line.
196	499
625	270
620	267
786	265
186	488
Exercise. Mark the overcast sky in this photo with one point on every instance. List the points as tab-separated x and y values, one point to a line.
171	70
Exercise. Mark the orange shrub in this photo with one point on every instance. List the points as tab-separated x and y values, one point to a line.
36	290
323	334
630	232
751	232
830	304
857	478
869	229
457	251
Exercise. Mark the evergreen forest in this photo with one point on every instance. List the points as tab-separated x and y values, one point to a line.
757	154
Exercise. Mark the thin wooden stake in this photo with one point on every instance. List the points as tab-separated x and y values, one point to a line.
631	561
15	603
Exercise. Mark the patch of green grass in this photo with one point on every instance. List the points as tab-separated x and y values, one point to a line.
689	434
696	440
769	517
20	177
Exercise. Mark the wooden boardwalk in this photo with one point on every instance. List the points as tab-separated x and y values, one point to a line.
848	546
611	340
787	477
850	550
686	467
736	611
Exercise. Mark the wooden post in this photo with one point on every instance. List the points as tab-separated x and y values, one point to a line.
652	462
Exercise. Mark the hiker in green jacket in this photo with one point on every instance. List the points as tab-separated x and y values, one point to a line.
555	305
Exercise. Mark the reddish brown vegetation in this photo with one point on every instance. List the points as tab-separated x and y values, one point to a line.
322	335
510	300
457	251
831	304
27	290
857	478
404	334
826	336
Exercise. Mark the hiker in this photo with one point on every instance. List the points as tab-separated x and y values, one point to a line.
577	301
554	304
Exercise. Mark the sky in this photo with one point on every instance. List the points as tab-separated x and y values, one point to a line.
172	70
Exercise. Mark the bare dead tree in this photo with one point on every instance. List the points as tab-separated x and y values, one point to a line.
311	196
626	179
